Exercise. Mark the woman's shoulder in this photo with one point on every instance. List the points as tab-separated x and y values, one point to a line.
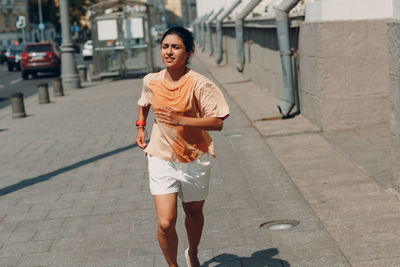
201	82
154	76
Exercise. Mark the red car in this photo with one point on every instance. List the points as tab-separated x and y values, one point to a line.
40	57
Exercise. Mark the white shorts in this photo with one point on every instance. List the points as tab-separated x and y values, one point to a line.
190	180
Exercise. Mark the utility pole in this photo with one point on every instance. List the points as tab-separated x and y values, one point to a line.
41	25
69	75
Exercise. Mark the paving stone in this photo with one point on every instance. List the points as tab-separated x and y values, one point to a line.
16	249
27	226
9	261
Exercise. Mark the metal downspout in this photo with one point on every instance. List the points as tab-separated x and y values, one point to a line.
198	29
195	24
202	22
239	33
287	102
219	29
209	38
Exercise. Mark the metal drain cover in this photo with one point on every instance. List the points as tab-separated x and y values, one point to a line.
279	224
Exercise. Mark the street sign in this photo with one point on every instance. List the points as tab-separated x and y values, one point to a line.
21	23
75	28
41	26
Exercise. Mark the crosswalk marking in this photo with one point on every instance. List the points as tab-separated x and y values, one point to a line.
16	81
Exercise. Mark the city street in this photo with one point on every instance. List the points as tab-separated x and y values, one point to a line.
11	82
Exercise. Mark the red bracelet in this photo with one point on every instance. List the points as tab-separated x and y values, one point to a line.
140	123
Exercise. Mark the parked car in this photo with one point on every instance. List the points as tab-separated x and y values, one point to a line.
40	57
13	55
3	58
87	51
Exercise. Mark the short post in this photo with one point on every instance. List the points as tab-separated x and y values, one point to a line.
90	73
43	92
17	105
57	87
82	73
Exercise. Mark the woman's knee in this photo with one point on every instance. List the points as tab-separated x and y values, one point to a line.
193	209
166	224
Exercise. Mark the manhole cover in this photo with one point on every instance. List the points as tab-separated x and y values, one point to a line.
279	224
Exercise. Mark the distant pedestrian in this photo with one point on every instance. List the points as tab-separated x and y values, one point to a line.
186	105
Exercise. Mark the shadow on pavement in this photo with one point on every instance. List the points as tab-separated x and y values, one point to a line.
262	258
48	176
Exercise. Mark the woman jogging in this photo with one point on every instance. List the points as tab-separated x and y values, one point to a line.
186	105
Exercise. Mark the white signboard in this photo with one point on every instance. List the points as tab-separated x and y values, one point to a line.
21	23
107	29
134	28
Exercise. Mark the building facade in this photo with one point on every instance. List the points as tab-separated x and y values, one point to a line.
10	10
345	55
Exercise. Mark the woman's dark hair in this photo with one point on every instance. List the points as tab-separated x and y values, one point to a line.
184	34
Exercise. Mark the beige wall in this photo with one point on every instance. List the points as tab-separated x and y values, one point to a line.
343	73
394	78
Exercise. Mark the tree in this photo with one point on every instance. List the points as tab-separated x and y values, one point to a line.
51	11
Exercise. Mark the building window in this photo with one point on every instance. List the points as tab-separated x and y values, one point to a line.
8	42
7	20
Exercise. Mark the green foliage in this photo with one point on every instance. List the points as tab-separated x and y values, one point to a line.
51	11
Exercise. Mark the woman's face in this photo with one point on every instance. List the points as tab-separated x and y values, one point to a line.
173	52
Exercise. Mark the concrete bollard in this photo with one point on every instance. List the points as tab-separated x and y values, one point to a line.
43	92
57	87
17	105
90	73
82	73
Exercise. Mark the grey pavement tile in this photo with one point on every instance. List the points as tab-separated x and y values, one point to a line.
80	196
34	225
16	249
8	227
82	203
72	212
369	253
120	207
39	199
93	243
389	262
101	186
110	228
136	261
25	216
56	234
50	258
225	238
9	261
294	239
53	205
19	237
123	191
324	257
145	205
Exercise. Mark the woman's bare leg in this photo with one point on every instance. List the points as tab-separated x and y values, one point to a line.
166	206
194	222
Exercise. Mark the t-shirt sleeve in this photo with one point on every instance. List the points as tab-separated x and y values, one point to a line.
145	97
212	101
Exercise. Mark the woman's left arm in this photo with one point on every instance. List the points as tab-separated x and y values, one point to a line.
169	116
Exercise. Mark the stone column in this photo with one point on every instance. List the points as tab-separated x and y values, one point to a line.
69	75
394	96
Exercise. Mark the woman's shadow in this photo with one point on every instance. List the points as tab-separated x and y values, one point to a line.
262	258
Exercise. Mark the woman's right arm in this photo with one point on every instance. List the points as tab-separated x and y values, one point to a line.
141	132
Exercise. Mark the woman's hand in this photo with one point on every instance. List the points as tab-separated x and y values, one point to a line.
168	115
141	137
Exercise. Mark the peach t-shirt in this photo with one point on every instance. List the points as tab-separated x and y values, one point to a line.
193	96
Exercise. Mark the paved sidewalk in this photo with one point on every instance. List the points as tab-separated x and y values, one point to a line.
74	190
